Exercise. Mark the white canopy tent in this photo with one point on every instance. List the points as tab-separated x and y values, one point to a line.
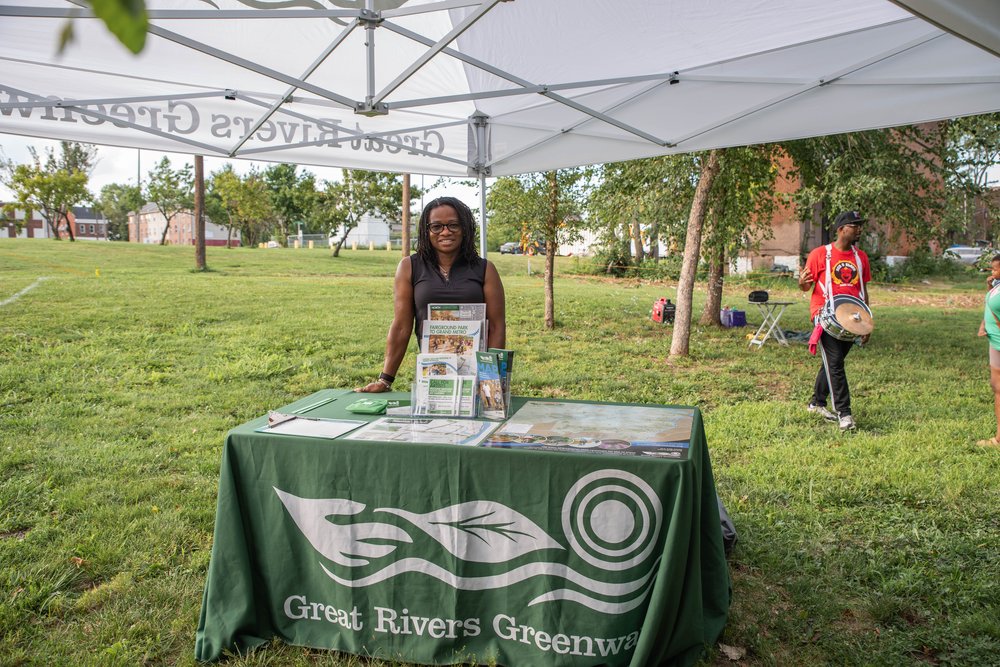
493	87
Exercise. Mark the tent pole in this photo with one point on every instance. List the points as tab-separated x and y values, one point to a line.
479	122
482	214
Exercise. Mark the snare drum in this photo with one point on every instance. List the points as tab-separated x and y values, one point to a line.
849	318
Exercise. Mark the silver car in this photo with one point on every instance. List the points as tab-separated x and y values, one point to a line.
964	254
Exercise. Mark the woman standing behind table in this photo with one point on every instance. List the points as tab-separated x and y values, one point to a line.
445	269
990	326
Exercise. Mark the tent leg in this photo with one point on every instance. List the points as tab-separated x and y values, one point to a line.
482	216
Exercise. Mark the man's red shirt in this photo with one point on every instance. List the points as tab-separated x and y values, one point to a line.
844	274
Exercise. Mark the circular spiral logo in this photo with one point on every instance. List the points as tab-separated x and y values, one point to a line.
612	519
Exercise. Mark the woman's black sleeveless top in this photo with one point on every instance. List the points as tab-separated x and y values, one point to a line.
464	285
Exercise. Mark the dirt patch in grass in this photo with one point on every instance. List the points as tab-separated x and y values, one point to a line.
14	534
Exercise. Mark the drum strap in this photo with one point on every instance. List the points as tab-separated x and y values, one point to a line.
828	287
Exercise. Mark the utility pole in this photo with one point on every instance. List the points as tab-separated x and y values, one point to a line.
199	212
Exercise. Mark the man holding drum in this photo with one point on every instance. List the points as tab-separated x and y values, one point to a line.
838	274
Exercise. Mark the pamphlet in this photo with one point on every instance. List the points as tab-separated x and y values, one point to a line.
468	432
456	311
445	396
436	364
491	398
461	338
461	312
505	361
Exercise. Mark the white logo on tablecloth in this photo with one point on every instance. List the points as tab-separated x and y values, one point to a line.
611	520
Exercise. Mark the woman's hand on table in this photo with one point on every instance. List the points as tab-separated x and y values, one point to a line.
373	387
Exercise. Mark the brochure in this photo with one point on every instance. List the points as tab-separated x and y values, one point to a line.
505	360
436	364
447	337
456	311
461	312
468	432
491	398
445	396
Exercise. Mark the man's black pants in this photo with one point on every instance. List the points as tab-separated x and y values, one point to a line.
832	380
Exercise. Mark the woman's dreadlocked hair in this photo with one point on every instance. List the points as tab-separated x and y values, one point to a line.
466	251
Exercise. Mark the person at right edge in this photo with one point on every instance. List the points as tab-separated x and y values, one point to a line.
990	326
838	268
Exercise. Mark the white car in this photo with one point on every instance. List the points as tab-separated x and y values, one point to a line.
965	254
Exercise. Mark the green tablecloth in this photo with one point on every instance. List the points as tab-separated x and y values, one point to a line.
436	554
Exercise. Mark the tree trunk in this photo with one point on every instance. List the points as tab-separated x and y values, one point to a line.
199	213
229	237
69	227
406	215
692	249
654	242
53	228
713	304
166	229
341	242
637	240
550	251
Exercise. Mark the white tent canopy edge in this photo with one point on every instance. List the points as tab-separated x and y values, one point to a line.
491	88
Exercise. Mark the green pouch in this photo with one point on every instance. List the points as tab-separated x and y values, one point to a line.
368	406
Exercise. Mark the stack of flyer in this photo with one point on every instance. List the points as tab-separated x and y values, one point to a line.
439	390
445	383
493	372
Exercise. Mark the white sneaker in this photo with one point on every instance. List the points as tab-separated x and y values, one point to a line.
822	412
847	423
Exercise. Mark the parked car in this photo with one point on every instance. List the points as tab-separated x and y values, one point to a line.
964	254
510	248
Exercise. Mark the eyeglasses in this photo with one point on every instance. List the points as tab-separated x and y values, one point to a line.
453	227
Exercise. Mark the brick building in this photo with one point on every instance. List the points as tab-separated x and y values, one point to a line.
147	227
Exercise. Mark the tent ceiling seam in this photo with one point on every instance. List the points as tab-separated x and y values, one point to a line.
248	65
513	78
574	127
817	83
436	48
330	48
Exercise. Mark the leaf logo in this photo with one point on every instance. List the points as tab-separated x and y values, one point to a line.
611	520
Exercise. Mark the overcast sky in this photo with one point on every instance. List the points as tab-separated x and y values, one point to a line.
121	165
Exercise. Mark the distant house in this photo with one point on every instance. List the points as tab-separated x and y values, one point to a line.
370	229
88	224
147	227
34	227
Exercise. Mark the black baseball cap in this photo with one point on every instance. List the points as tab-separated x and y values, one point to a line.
848	218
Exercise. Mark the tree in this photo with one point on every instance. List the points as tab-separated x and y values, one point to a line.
680	340
171	191
548	206
343	203
117	200
740	208
293	196
970	149
55	187
893	175
641	199
245	204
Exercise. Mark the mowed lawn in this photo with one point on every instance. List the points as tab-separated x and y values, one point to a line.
122	371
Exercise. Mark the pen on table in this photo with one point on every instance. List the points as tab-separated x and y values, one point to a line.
313	406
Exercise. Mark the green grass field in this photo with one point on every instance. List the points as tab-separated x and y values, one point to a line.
121	373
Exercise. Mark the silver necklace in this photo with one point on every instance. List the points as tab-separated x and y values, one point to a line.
444	272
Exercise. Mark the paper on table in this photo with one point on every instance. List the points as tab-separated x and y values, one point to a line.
313	428
468	432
